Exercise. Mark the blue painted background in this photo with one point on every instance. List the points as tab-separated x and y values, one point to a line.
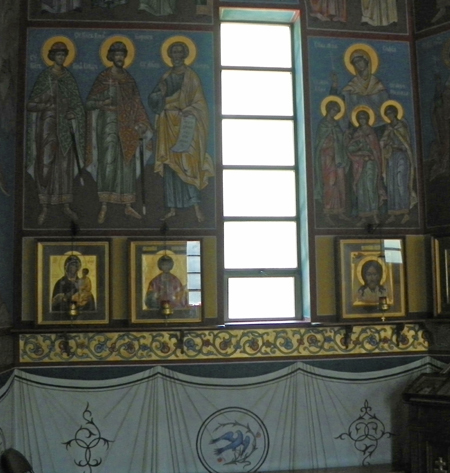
147	68
429	60
394	72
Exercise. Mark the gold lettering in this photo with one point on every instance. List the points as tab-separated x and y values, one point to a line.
149	248
370	248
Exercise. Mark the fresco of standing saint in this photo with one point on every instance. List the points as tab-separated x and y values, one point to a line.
60	6
329	10
398	162
108	3
158	7
182	129
364	88
55	129
379	12
117	121
331	162
364	151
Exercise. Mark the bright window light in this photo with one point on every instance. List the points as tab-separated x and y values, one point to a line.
279	202
243	146
270	45
261	298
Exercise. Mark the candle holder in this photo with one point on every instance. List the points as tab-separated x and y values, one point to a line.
383	304
166	309
73	309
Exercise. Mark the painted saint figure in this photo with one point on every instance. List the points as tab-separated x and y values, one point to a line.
116	122
365	88
8	108
364	152
379	12
181	158
331	161
60	6
166	287
108	3
372	289
204	7
67	287
398	162
158	7
8	65
441	7
329	10
440	114
84	296
55	111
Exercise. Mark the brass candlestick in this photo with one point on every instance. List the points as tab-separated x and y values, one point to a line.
73	309
166	309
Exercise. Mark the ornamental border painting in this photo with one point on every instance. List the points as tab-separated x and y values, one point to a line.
371	276
166	281
72	282
441	275
120	132
142	11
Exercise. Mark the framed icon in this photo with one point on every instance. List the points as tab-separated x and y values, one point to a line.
441	275
72	282
371	278
166	281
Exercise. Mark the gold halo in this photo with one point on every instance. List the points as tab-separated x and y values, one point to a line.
179	39
374	61
333	98
371	258
71	253
362	108
129	45
70	45
397	105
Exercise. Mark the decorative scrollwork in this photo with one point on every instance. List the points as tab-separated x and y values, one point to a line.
219	344
365	432
88	438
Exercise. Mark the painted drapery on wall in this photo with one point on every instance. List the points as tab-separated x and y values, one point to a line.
356	77
300	416
145	63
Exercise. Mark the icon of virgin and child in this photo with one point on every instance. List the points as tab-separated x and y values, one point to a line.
73	287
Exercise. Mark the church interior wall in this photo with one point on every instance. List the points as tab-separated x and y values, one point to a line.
215	356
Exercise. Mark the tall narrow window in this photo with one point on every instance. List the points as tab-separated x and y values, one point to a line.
260	172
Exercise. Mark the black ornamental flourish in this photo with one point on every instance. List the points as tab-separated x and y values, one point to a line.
365	432
87	438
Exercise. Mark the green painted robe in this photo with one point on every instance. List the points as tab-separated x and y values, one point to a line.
50	150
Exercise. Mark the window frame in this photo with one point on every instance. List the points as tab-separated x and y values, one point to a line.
301	272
